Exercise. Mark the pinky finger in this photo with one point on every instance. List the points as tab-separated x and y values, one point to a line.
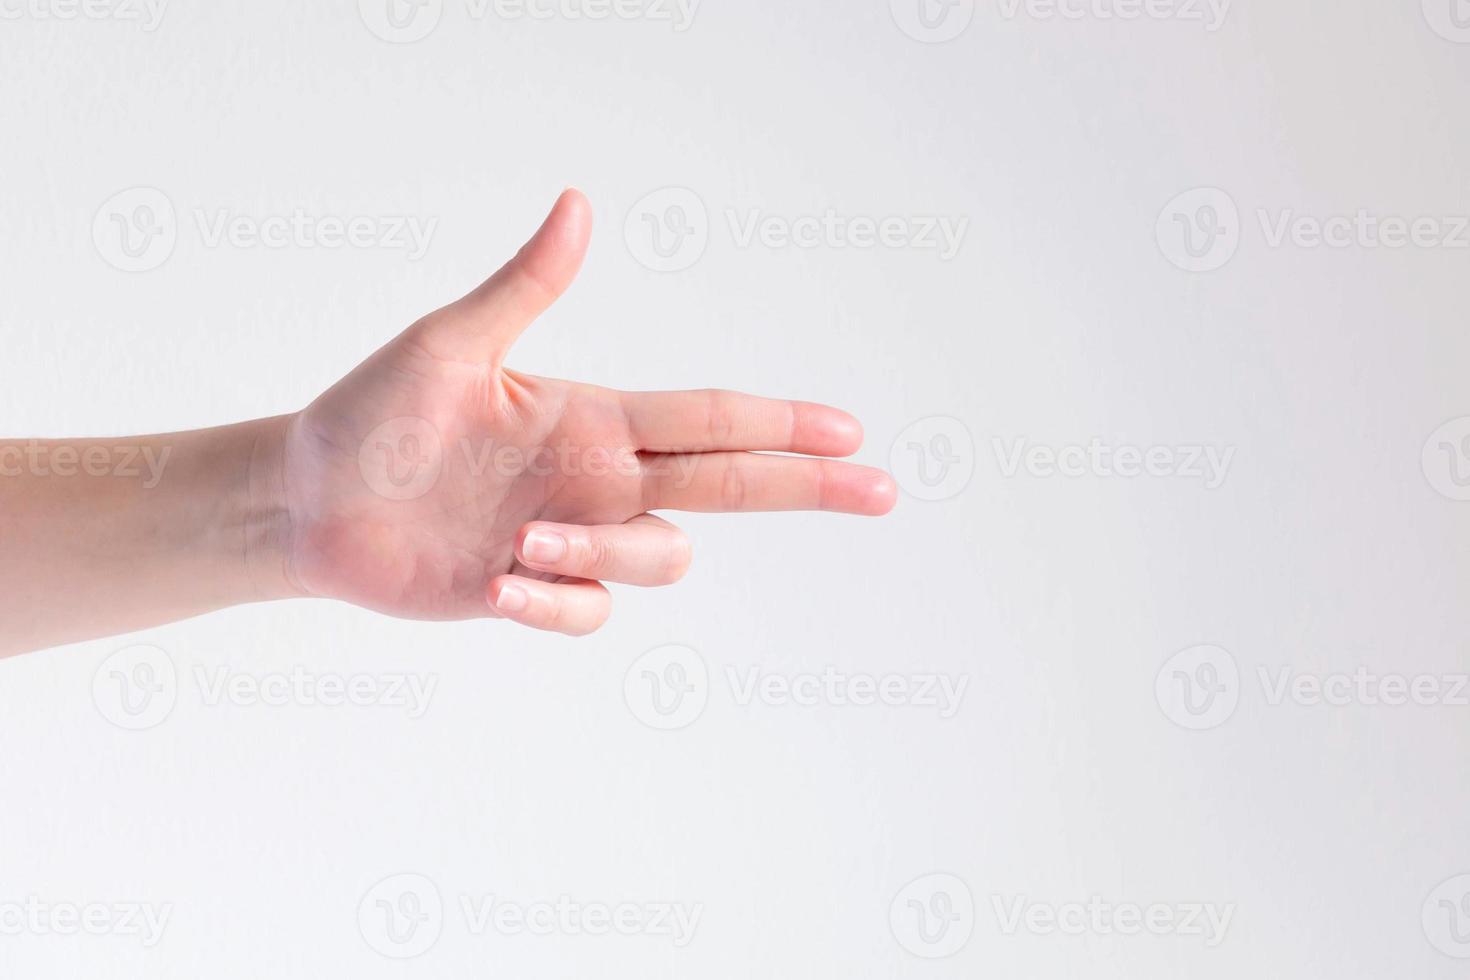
573	606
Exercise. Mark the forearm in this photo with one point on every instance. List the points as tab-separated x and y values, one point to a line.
99	537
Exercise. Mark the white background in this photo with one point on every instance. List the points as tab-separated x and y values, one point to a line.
1058	600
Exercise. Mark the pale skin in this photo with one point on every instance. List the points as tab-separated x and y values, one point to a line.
433	482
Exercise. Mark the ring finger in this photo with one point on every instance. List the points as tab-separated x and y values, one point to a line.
647	550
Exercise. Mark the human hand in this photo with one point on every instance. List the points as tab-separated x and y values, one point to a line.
433	482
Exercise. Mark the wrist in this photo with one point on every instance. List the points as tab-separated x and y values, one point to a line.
264	518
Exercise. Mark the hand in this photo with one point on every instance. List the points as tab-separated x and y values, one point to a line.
435	483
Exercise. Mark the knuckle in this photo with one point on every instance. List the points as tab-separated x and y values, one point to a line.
598	555
720	418
734	488
531	276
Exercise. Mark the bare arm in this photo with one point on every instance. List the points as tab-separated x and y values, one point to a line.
99	537
433	482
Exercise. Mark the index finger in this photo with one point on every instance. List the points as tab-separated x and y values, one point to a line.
711	421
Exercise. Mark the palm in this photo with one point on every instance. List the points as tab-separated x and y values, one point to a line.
411	483
414	518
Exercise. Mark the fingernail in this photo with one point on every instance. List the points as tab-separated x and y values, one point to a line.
544	547
512	599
